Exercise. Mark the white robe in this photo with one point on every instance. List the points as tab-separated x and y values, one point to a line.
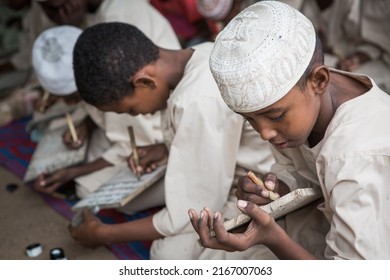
141	14
112	143
209	145
137	12
351	165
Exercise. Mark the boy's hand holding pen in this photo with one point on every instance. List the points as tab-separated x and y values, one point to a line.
150	157
135	152
44	100
76	142
271	195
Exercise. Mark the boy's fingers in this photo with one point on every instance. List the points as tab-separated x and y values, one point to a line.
203	228
87	214
219	229
246	185
252	210
52	180
194	219
139	169
51	188
131	164
77	144
270	185
209	217
270	181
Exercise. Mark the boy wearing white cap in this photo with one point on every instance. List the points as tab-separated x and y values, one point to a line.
109	144
82	13
45	14
112	128
208	144
329	129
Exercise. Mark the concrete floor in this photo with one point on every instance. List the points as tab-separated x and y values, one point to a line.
25	219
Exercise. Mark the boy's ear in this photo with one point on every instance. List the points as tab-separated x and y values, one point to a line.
143	79
319	78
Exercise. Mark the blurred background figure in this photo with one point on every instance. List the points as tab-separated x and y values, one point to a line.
11	16
40	15
21	104
357	36
190	25
353	32
222	11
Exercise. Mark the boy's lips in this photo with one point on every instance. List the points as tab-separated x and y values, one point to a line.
280	145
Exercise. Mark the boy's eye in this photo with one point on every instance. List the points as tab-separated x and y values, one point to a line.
278	118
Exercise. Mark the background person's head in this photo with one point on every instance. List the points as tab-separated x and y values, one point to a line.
52	59
264	53
216	10
107	61
222	10
66	12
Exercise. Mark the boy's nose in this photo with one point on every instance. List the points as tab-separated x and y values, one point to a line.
268	133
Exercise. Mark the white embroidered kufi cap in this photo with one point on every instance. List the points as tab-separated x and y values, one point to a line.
214	9
52	58
261	54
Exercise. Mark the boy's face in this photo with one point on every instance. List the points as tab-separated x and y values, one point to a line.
70	12
144	100
288	122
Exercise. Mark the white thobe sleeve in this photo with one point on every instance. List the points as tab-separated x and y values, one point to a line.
291	167
142	15
147	131
201	163
357	206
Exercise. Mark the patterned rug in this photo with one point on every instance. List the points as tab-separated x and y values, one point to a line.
16	150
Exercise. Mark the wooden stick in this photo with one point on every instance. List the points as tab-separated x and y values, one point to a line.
45	97
260	183
134	149
71	128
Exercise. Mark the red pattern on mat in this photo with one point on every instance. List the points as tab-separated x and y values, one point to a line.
16	150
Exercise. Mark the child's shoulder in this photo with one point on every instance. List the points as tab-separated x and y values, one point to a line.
360	125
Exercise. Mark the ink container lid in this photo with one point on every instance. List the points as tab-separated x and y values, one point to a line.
57	254
34	250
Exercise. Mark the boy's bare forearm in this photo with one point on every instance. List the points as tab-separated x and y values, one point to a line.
90	167
137	230
287	249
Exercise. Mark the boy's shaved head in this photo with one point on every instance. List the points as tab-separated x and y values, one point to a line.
106	58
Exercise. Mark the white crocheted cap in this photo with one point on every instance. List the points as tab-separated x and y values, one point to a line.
52	58
261	54
214	9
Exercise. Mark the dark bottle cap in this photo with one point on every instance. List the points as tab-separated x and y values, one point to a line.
57	254
11	187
